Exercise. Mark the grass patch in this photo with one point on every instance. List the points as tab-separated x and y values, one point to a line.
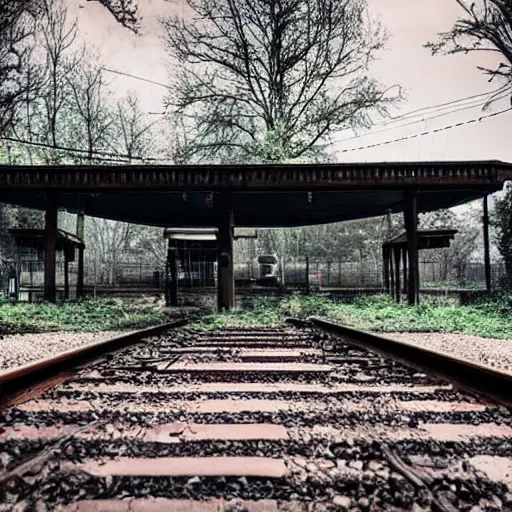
81	316
257	311
490	318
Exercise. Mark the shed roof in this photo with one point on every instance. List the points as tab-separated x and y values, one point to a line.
37	235
427	239
205	233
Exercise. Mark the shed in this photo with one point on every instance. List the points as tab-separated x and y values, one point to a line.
397	249
30	263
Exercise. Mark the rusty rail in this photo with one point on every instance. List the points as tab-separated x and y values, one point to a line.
494	383
33	374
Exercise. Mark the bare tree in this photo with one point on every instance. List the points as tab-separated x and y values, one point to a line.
135	129
107	240
271	79
58	36
124	11
484	26
90	103
17	31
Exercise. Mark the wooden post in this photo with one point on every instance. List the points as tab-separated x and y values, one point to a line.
411	227
404	264
226	277
391	273
487	258
50	242
385	267
66	275
397	273
80	233
173	268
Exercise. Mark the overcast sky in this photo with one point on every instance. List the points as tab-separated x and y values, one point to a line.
427	80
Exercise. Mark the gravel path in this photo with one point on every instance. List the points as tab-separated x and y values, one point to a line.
487	351
20	349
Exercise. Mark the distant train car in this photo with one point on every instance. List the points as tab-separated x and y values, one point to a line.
268	269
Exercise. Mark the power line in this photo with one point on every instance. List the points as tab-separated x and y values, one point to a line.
135	77
79	150
467	107
448	103
407	137
440	107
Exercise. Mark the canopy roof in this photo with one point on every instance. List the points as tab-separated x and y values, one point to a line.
263	195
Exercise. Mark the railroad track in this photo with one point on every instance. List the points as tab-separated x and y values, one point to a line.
259	419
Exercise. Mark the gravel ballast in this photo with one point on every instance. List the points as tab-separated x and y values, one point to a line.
491	352
20	349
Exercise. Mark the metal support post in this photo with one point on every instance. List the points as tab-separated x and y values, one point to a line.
80	233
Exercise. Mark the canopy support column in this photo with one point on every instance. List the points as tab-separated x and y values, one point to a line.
226	277
50	242
487	258
80	232
411	227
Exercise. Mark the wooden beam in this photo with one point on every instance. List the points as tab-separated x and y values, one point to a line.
50	242
243	177
411	227
487	258
225	269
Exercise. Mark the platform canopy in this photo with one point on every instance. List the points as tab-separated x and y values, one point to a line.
263	195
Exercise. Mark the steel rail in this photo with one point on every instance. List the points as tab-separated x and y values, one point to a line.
481	379
17	379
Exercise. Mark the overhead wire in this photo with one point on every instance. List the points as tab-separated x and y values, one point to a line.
422	119
118	156
477	100
412	136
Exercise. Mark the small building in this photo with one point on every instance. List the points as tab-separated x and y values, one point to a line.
395	256
27	281
192	257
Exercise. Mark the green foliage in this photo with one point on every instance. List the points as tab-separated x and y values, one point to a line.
502	220
491	318
260	311
80	316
